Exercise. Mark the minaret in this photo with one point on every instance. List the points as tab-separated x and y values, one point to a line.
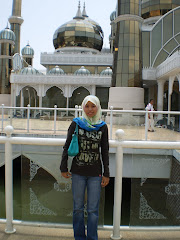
7	41
16	20
28	54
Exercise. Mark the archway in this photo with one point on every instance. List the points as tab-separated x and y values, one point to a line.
28	95
54	96
77	97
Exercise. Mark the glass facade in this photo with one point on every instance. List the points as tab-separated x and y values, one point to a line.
163	40
127	55
152	8
79	33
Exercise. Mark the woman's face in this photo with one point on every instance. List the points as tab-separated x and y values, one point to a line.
90	109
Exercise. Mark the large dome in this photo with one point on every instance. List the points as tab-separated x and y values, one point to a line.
79	32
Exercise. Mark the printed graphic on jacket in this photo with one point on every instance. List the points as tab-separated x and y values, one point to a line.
88	147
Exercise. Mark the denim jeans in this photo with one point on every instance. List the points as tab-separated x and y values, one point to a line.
93	185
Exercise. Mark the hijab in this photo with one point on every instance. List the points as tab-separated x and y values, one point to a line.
87	123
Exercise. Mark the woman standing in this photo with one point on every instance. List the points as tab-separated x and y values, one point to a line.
86	169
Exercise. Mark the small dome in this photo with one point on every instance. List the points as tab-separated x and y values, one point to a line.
30	71
82	71
56	71
107	71
7	34
27	50
113	16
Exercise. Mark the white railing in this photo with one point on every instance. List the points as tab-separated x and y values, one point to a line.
119	144
77	112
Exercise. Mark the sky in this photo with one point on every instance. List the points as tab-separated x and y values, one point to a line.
43	17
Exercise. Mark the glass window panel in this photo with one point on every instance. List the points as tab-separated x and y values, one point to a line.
167	28
132	8
125	66
131	53
132	40
131	66
177	21
145	48
132	26
119	67
136	53
120	53
125	53
124	80
136	27
69	33
154	7
136	40
127	8
136	66
126	40
171	45
178	38
165	1
161	58
118	80
122	9
156	40
121	41
122	27
126	27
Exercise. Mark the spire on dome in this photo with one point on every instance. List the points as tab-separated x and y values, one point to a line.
79	14
7	27
84	14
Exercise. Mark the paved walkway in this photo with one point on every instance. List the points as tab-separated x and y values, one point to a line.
40	233
45	127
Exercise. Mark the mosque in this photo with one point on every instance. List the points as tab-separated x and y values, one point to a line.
143	61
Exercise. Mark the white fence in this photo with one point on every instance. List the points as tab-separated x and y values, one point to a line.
109	113
119	144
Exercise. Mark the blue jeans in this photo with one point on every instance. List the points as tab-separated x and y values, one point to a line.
79	184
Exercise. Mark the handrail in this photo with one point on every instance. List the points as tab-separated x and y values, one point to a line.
119	144
78	109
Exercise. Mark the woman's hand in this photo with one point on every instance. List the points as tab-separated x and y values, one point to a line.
66	174
105	181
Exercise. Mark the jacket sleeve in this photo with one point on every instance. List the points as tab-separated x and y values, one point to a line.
105	151
63	165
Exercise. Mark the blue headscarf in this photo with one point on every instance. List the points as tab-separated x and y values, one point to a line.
94	123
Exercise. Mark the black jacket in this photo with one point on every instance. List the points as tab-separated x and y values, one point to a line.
89	160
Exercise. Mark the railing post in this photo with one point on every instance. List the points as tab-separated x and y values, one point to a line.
55	117
118	187
111	121
28	116
80	114
76	111
2	117
9	181
146	125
